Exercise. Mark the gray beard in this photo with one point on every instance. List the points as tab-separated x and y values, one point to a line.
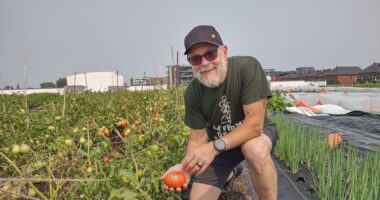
212	81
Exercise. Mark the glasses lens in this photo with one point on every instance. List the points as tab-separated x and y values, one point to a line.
211	55
195	60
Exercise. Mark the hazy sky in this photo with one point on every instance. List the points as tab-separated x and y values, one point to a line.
135	36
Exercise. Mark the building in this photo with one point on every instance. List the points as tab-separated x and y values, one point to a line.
179	75
370	74
148	81
341	75
94	81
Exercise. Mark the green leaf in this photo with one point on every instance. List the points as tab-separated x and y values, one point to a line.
123	193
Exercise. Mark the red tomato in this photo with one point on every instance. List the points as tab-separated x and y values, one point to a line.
126	133
106	132
100	132
106	160
123	123
175	179
334	140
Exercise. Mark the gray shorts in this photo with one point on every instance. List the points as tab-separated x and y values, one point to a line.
220	168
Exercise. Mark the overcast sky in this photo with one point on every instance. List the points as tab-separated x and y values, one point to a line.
136	36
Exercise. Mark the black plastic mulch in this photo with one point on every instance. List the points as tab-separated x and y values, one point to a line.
361	129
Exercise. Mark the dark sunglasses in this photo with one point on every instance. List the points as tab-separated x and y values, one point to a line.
210	55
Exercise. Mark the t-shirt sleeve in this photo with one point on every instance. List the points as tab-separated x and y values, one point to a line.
254	83
193	109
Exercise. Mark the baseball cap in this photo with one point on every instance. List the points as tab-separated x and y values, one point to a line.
202	33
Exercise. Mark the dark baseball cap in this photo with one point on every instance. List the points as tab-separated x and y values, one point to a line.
202	33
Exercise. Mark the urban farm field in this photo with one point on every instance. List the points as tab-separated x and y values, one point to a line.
90	146
117	145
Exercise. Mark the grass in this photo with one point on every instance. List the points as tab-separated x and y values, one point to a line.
340	173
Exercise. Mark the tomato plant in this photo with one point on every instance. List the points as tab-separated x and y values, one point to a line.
64	139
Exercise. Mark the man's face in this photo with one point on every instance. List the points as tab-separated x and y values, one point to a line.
211	73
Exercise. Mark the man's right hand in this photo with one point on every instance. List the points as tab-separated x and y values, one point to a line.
177	167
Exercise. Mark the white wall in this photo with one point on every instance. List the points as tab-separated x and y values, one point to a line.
31	91
96	81
297	83
147	87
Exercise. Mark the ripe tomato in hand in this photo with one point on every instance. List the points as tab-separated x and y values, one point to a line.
175	179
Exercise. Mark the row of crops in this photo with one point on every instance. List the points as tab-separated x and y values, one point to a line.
79	149
117	145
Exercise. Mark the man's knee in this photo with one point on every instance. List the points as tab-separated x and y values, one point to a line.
200	191
257	152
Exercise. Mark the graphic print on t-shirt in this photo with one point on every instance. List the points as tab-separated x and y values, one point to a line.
225	124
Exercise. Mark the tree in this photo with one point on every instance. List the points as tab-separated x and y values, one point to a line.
18	86
8	87
47	85
61	82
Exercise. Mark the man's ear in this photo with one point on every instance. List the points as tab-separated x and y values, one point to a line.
225	51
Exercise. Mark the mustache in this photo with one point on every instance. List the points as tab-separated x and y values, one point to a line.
207	68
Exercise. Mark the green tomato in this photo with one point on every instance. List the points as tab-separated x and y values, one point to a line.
89	169
75	130
24	148
154	148
82	196
69	142
15	148
47	136
125	179
58	118
22	111
82	140
139	173
84	129
51	128
141	139
31	192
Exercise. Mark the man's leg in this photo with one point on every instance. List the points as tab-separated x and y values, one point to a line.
200	191
264	175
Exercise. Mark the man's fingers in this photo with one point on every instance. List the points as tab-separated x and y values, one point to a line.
192	164
178	189
195	169
202	169
186	161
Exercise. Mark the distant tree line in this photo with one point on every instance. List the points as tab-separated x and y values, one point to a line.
60	83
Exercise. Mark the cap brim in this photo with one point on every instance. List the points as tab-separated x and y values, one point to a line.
203	41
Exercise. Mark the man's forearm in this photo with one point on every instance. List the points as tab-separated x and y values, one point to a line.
242	134
251	127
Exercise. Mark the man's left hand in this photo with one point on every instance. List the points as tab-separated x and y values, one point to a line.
199	159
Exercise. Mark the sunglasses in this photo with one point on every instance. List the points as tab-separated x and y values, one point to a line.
210	55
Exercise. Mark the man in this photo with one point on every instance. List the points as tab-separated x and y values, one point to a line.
225	110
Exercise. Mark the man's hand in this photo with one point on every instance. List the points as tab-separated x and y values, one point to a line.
177	167
199	159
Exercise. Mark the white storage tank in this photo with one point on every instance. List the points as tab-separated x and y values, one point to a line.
96	81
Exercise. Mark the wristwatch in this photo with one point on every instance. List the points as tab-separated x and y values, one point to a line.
219	145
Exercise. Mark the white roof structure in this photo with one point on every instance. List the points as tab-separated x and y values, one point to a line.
96	81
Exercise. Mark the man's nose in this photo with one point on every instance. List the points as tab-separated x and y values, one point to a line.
204	61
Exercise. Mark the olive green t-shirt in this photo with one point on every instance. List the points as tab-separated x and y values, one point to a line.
220	110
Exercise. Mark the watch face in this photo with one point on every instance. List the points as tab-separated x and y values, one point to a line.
220	145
